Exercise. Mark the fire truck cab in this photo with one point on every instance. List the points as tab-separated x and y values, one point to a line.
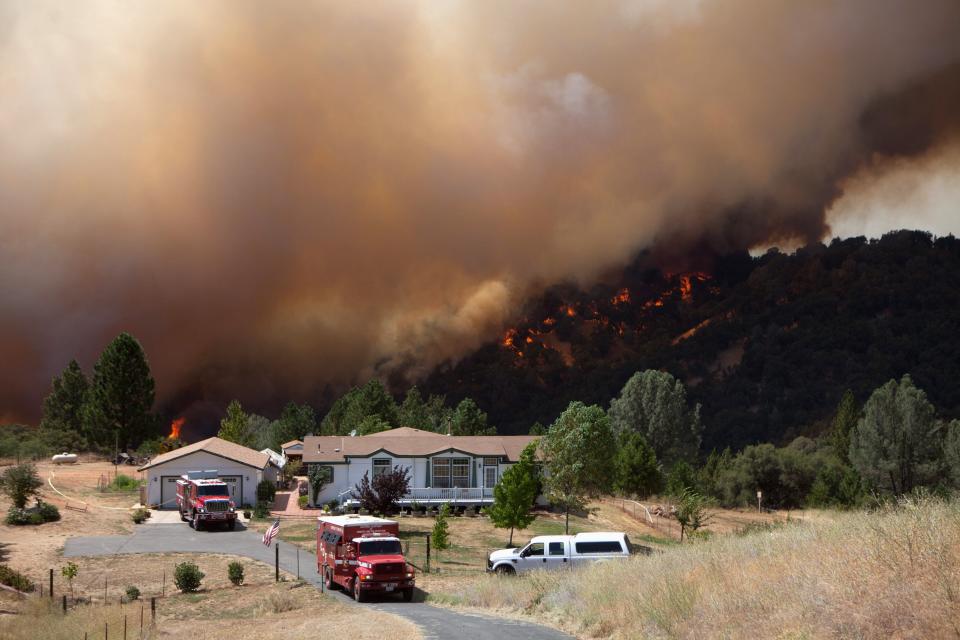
363	555
202	498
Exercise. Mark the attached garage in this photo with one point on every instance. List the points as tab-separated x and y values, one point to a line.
239	467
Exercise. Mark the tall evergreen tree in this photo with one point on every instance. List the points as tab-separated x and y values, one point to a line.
296	421
577	450
413	411
843	423
654	404
358	404
897	444
514	495
637	470
469	420
235	426
121	396
62	423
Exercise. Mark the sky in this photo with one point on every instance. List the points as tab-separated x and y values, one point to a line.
274	197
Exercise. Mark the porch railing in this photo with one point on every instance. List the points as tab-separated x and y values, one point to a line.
435	495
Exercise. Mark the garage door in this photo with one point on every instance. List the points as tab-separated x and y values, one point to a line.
168	492
235	485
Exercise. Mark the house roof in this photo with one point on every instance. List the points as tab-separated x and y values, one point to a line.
218	447
407	442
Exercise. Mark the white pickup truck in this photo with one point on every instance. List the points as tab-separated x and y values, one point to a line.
555	552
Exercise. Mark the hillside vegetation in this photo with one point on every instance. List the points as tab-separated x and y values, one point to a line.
888	573
767	345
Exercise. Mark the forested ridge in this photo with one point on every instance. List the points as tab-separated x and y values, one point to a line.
767	345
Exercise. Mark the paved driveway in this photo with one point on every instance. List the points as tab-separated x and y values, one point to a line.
436	623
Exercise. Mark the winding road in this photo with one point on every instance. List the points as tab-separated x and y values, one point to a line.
435	623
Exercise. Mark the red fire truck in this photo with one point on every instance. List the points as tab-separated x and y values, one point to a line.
203	498
362	555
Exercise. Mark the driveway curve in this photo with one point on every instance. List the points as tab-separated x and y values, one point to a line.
434	622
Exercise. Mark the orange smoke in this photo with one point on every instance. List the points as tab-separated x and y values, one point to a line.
175	428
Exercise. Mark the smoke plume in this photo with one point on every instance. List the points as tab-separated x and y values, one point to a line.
277	196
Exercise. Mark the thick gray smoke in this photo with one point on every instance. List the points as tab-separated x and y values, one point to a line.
273	196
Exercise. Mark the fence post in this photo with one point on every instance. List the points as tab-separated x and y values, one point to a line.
298	562
153	610
276	566
428	553
51	584
64	603
106	631
141	619
124	627
104	590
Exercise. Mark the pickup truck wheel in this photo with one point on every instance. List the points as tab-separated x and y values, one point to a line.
505	570
328	581
358	594
407	595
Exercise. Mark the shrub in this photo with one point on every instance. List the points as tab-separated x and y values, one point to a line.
235	573
187	577
246	513
302	501
36	515
123	483
261	511
140	515
15	579
132	593
280	602
266	491
19	483
441	539
48	512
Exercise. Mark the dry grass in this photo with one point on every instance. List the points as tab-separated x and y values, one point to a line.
259	609
888	574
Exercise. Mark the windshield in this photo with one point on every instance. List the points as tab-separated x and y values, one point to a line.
380	548
212	490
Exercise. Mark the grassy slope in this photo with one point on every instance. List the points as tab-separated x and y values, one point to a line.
893	573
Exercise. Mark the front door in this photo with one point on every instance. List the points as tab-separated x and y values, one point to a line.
489	477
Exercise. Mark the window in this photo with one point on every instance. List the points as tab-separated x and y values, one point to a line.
535	549
328	468
599	546
380	466
556	549
491	462
380	547
212	490
451	472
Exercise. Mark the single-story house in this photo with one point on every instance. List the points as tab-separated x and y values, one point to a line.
292	450
462	470
240	467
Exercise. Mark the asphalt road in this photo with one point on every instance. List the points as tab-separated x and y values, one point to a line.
435	623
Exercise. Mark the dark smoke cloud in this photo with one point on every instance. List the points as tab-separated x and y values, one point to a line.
276	196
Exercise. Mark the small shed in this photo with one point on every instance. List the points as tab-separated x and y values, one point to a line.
293	450
241	468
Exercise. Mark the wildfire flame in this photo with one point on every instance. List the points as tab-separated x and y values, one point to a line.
175	428
622	297
570	311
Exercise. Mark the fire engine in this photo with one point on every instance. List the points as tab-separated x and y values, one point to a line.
203	498
362	555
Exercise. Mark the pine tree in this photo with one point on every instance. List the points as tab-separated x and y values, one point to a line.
637	470
414	411
843	423
469	420
121	396
897	444
514	495
62	421
440	535
235	426
654	404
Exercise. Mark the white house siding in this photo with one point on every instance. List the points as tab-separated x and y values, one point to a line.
347	476
201	461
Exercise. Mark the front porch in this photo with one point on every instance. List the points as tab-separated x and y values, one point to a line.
432	496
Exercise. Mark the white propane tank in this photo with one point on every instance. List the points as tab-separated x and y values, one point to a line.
65	458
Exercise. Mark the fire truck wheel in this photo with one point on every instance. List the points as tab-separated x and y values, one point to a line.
232	525
197	523
407	595
183	516
358	594
328	581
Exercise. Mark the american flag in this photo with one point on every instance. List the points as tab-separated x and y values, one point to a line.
271	533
